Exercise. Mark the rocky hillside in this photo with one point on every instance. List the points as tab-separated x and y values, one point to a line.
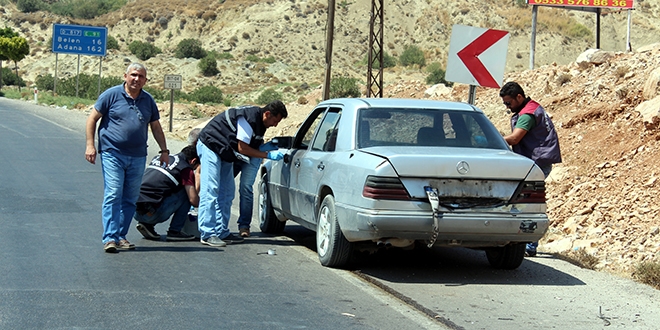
602	199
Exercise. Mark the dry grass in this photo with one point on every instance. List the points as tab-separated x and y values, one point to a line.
648	273
580	258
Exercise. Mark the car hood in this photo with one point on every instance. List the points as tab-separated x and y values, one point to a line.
449	162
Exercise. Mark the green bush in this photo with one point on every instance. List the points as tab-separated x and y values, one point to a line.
252	58
29	6
344	87
158	94
111	43
85	9
206	94
220	55
388	61
208	66
190	48
88	85
436	75
143	50
412	55
45	83
267	96
10	78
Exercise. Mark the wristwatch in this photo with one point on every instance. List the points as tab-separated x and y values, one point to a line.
166	150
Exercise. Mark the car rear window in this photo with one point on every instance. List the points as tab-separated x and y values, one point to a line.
426	128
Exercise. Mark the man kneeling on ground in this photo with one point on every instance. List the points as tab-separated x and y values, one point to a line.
169	192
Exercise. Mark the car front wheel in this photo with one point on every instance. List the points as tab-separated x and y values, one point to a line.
506	257
331	245
268	222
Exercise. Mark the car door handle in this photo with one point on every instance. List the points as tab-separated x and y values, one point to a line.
296	163
320	166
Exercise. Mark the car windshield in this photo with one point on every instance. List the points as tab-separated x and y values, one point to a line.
426	127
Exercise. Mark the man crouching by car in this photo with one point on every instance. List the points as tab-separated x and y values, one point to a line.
168	192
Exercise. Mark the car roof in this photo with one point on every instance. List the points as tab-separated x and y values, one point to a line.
399	103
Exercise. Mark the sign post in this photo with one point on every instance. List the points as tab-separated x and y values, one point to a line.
477	57
172	82
79	40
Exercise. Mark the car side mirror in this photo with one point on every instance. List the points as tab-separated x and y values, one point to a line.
283	142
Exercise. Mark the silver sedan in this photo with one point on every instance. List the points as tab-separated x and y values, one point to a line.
379	173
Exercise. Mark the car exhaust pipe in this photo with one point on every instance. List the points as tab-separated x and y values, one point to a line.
396	242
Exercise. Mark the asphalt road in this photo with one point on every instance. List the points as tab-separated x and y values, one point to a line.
56	275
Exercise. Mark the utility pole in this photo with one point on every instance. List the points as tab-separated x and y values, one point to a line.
328	49
375	78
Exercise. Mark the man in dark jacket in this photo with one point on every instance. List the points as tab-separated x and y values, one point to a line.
533	133
224	140
168	192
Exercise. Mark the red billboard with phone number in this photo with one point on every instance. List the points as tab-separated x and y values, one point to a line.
584	3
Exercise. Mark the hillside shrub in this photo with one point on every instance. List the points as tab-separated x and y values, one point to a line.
208	66
29	6
111	43
436	75
88	85
388	61
267	96
190	48
344	87
9	78
143	50
206	94
158	94
45	83
412	55
85	9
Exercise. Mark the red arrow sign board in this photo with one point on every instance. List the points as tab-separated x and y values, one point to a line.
477	56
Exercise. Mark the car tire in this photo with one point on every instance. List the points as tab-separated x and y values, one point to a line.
506	257
268	222
331	246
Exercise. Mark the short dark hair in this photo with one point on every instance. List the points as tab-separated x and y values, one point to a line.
512	89
276	108
190	152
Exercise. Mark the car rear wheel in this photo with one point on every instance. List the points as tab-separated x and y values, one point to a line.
268	222
506	257
331	245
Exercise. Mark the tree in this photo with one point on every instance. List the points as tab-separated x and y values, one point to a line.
15	48
5	33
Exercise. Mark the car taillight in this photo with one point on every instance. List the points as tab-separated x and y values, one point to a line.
377	187
530	192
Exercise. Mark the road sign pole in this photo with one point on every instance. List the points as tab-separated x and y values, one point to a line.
171	107
77	75
55	79
472	94
100	65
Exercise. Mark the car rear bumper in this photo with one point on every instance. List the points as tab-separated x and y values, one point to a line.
470	229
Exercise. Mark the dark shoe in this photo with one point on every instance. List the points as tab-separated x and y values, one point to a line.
178	236
244	232
147	230
110	247
213	241
233	239
125	245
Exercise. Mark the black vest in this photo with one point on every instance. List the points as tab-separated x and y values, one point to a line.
219	134
158	182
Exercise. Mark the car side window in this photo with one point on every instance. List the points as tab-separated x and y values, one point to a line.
327	136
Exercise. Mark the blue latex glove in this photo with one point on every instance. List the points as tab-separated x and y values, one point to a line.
269	146
275	155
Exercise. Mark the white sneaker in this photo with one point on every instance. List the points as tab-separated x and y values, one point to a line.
213	241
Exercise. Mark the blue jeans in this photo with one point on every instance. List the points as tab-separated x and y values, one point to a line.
248	173
216	194
122	176
175	206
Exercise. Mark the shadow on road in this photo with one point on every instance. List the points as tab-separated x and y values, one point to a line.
441	265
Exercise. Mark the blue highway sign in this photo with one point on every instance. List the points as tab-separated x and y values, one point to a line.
79	39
